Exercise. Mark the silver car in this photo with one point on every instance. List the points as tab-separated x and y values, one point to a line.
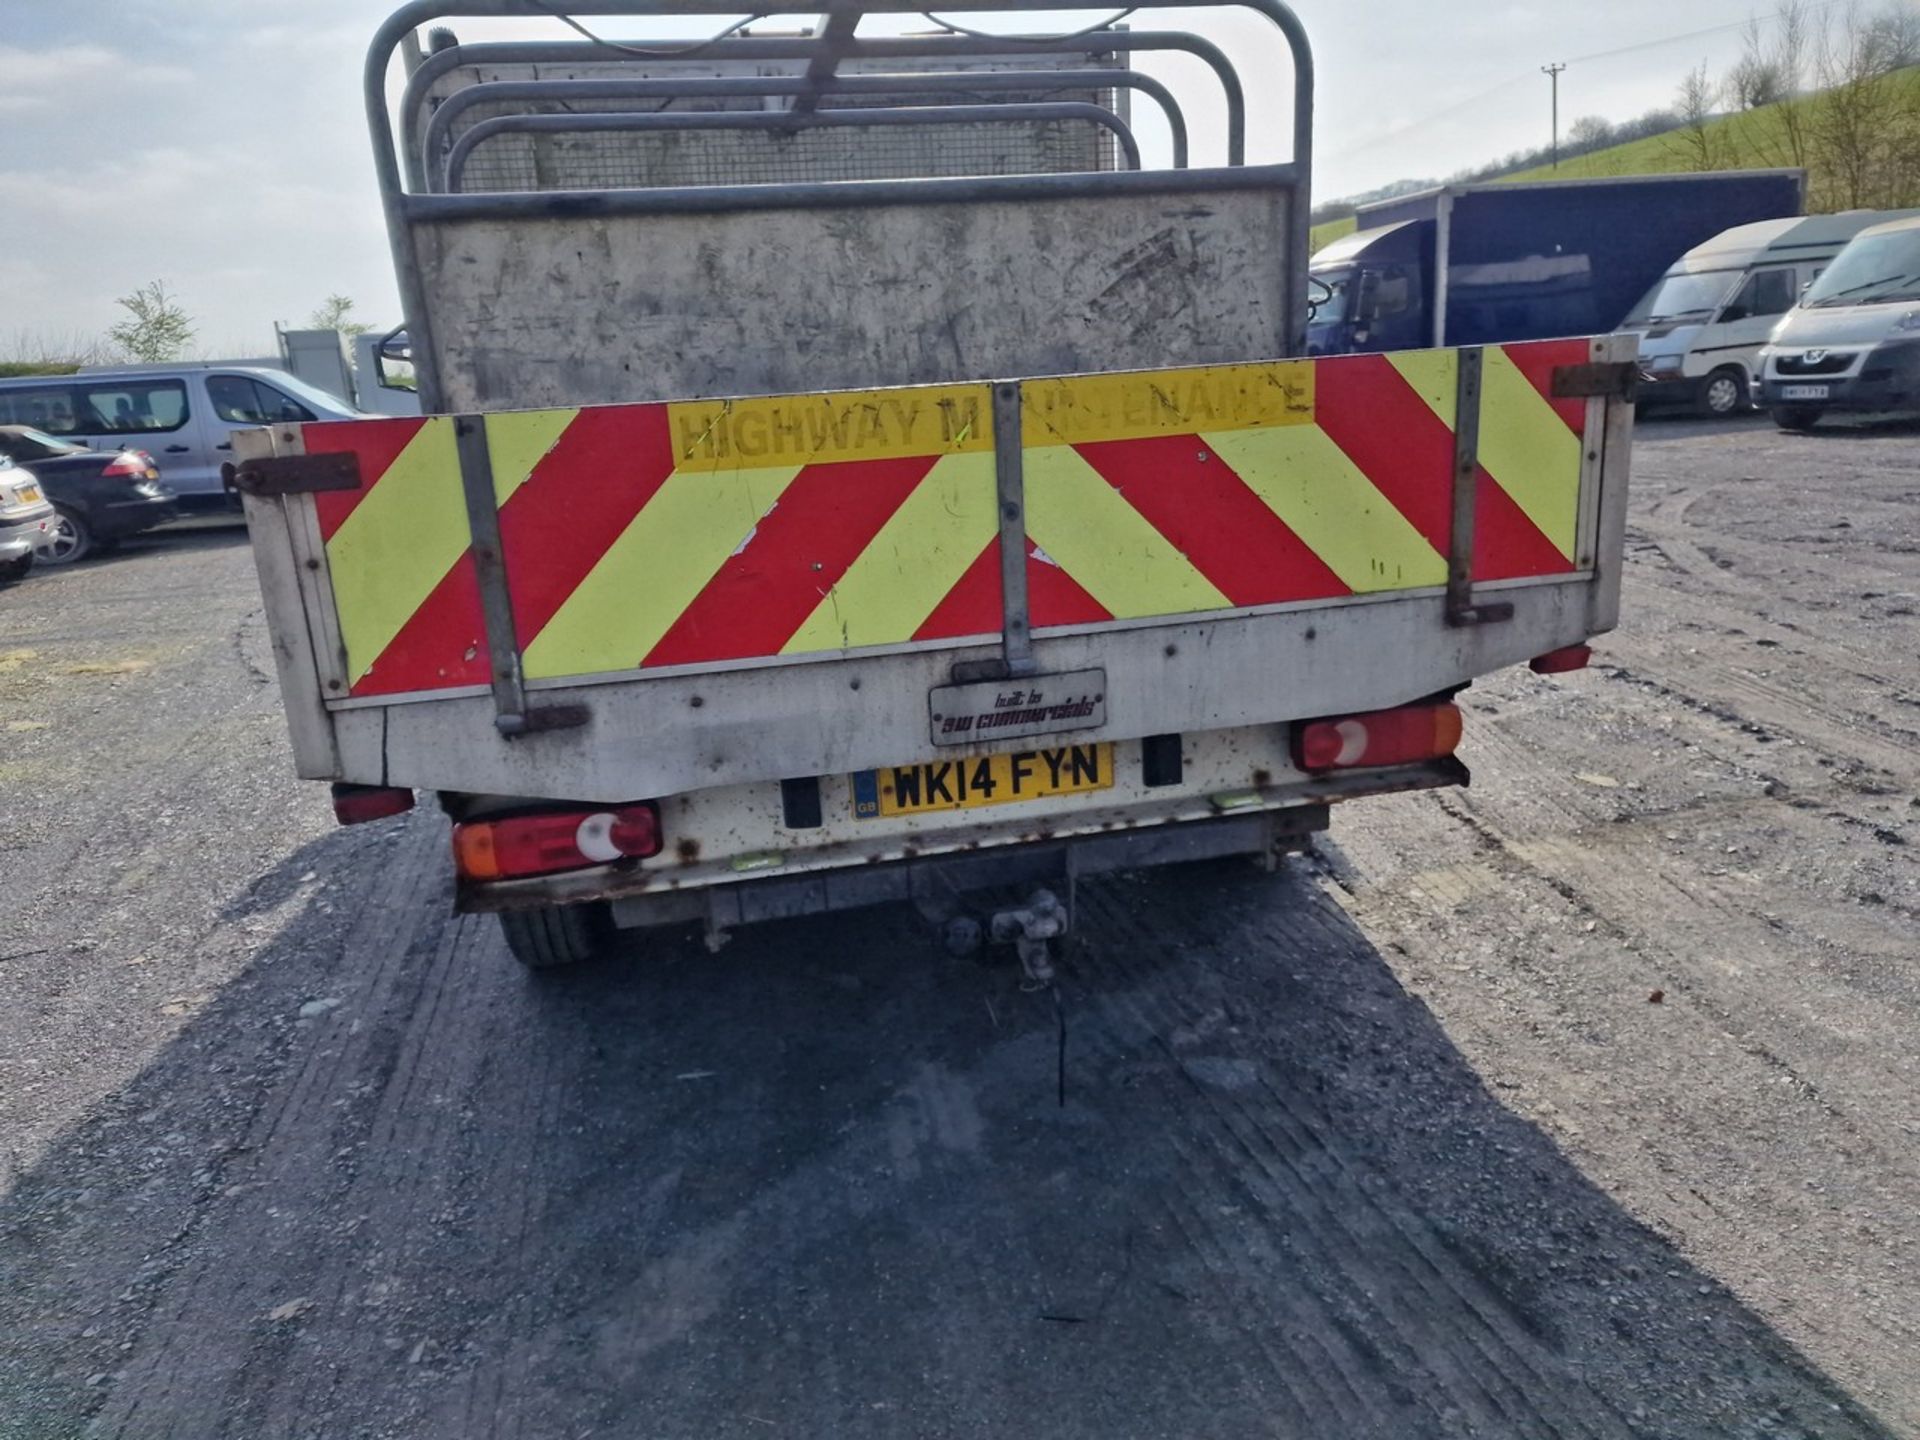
183	415
26	520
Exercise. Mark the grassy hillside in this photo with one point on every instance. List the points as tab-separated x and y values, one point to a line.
1332	230
1756	139
1752	139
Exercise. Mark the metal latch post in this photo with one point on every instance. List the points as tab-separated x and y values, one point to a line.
1009	470
1461	609
512	716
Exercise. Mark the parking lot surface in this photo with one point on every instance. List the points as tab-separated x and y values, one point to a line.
1582	1102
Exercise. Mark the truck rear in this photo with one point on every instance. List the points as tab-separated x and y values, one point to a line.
782	547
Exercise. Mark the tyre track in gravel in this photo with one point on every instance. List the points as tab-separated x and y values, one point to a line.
1432	1305
1748	861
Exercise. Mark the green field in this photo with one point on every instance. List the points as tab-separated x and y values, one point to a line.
1752	139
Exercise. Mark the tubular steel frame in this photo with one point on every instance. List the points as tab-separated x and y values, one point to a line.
404	209
907	84
787	123
815	49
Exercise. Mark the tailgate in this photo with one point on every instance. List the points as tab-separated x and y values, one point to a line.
690	594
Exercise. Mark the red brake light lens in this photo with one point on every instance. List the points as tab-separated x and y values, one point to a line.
1558	662
130	464
548	844
357	804
1383	737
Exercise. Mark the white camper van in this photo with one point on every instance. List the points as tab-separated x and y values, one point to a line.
1702	325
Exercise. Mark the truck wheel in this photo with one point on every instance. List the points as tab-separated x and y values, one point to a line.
1795	417
68	541
557	935
1725	392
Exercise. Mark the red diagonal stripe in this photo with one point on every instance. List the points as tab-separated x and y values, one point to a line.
581	495
580	498
443	643
1361	403
1538	359
1230	534
1365	407
375	443
973	607
1055	598
1506	544
766	590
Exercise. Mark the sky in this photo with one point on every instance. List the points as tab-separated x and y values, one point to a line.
221	146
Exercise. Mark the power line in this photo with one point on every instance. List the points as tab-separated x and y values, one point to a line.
1552	72
1519	76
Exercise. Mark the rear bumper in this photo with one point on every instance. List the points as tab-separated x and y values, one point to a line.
120	518
1281	819
19	533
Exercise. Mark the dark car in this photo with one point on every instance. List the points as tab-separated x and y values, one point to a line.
101	496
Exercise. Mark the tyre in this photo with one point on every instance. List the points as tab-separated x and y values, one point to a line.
68	541
557	935
1724	393
12	570
1795	417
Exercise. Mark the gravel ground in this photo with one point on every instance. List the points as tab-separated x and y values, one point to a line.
1579	1103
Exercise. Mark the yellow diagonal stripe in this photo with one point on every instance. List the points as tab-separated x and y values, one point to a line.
398	544
1327	501
661	561
517	440
1524	445
841	425
1528	448
1133	405
1434	376
1106	545
918	556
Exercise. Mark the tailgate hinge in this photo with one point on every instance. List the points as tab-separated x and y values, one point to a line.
1616	379
292	474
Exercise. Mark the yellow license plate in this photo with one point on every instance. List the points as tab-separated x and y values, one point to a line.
981	780
28	493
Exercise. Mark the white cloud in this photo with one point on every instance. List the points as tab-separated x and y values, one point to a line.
30	79
35	79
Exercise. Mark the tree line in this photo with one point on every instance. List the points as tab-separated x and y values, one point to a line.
155	328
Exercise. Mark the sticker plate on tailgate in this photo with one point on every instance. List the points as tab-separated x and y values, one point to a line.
984	780
1009	709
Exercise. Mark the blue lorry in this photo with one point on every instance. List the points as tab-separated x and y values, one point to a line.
1493	263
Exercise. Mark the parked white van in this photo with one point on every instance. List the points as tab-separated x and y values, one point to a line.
1704	322
182	415
1853	341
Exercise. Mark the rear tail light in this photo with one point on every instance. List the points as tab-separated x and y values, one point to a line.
357	804
131	465
1384	737
1558	662
558	840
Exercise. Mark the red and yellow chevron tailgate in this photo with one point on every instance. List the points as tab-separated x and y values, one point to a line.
644	536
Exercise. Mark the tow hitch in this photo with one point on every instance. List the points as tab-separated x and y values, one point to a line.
1028	929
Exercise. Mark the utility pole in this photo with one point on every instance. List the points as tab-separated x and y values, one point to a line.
1552	72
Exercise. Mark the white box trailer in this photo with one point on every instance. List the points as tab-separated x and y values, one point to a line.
776	548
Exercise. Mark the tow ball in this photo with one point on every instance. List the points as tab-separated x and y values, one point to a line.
1028	928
